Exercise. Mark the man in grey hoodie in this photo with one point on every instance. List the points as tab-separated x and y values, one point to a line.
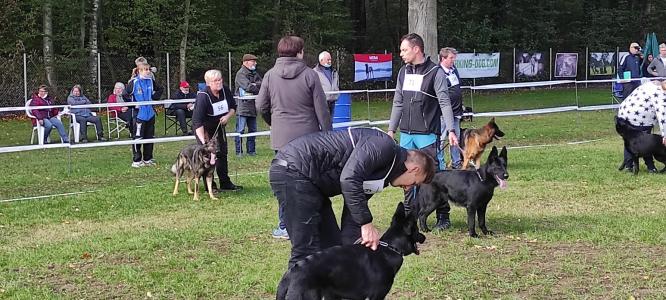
291	101
84	115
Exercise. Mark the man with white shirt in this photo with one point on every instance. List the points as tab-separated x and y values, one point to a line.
447	58
658	66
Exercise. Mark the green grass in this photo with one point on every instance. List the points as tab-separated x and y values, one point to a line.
569	225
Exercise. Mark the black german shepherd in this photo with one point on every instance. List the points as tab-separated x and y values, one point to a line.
640	144
468	188
354	271
194	161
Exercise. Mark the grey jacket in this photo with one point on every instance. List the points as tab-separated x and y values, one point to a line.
657	68
250	82
79	100
328	85
292	102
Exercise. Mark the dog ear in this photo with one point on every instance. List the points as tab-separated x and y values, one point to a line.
492	120
493	153
503	153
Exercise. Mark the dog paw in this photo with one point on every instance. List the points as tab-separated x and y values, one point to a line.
190	192
214	198
488	232
474	235
175	194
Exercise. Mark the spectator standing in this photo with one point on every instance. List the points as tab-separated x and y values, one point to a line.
329	79
292	102
143	88
248	83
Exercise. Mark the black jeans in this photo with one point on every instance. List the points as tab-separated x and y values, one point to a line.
143	130
181	116
308	214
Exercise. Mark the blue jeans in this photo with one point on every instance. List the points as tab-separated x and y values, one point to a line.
55	122
455	151
251	123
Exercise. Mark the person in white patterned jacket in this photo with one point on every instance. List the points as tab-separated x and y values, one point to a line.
643	108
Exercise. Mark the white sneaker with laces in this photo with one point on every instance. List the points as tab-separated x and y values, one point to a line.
149	163
137	164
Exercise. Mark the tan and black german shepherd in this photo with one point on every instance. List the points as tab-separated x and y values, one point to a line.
474	141
194	161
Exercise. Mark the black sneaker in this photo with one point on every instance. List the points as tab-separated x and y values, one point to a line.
653	171
102	139
230	187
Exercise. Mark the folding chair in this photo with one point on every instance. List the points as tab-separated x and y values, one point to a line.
170	120
37	129
116	124
76	127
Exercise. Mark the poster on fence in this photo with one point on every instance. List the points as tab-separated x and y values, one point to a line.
566	64
478	65
601	63
373	67
530	66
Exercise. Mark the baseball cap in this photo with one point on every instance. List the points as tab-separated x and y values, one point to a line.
184	84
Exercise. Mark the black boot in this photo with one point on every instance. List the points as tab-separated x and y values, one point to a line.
443	222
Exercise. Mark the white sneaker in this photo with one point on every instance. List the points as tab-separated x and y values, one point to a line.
149	163
137	164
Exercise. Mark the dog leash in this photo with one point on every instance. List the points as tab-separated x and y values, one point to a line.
382	243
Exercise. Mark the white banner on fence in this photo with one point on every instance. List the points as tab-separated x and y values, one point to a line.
478	65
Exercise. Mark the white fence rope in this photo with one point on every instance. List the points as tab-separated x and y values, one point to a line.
66	108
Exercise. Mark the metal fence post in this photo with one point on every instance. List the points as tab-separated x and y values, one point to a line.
99	79
587	68
168	77
25	77
231	83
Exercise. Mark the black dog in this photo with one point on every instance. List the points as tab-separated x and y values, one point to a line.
640	144
354	271
471	189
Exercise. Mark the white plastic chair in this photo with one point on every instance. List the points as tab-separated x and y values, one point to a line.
37	129
76	127
116	124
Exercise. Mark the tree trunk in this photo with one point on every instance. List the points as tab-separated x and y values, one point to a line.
422	18
183	43
93	43
82	28
277	23
48	44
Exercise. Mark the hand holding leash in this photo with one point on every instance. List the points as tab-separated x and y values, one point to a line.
663	141
224	119
453	139
369	236
391	134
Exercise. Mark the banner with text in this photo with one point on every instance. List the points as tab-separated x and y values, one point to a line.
478	65
373	67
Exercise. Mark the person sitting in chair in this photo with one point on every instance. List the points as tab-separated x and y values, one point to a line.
122	112
47	117
84	115
182	111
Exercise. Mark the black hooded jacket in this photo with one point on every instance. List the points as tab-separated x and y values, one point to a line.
330	161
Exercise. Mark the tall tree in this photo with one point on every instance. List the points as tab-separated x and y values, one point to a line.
183	42
93	41
82	25
422	18
48	43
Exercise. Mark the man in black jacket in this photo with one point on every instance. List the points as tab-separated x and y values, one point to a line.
182	111
355	163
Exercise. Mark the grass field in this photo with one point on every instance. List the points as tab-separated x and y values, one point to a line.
569	225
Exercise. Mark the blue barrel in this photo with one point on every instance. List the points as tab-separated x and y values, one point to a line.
342	110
